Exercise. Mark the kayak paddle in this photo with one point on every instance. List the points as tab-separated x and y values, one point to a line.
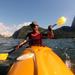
3	56
60	21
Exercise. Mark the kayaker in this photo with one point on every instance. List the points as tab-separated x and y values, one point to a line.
35	37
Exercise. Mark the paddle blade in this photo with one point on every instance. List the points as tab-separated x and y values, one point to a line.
3	56
61	20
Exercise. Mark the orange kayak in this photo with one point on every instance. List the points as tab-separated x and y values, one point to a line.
39	60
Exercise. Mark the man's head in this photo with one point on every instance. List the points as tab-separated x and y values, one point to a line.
34	26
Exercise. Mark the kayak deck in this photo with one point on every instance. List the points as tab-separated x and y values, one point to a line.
44	62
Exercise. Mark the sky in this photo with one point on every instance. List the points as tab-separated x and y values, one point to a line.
16	13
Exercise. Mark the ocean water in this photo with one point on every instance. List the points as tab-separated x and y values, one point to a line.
64	48
7	43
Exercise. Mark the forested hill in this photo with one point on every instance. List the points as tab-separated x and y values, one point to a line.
63	32
21	33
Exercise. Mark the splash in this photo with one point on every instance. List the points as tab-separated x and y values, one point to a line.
68	60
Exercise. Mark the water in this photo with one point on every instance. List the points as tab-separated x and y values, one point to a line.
65	48
7	43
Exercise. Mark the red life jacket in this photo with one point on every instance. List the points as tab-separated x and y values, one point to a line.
35	39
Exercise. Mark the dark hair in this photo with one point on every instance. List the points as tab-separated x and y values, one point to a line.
33	24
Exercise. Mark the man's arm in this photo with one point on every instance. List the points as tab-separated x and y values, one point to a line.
48	33
22	43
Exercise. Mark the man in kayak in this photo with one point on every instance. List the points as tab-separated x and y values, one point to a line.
35	37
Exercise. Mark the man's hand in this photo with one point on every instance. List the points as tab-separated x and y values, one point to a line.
21	44
17	47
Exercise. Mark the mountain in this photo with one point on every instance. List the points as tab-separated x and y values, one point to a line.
63	32
1	36
66	31
21	33
66	28
73	25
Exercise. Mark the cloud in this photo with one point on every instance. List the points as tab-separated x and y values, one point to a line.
8	30
4	30
24	24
